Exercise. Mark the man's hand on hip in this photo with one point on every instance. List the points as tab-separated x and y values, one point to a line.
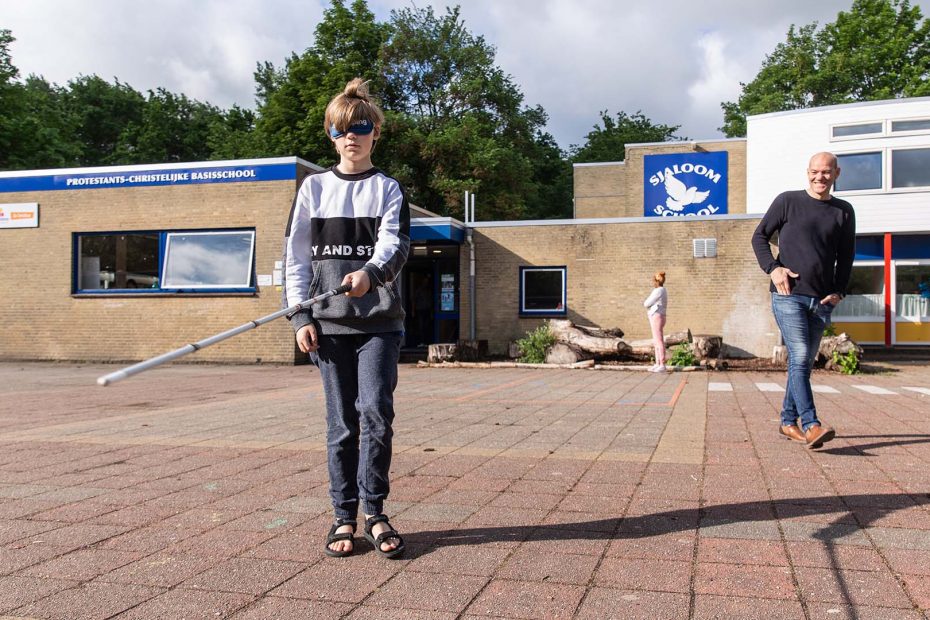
781	278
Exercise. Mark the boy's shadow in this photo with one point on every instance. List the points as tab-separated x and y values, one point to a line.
661	523
862	449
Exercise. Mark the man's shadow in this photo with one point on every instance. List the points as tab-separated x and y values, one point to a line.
862	449
671	521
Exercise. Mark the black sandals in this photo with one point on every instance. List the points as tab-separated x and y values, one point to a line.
334	537
383	536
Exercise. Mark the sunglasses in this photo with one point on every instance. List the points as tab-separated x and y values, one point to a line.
361	128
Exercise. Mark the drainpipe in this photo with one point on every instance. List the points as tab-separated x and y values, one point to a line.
472	332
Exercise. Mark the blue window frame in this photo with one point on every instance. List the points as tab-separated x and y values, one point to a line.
543	291
164	262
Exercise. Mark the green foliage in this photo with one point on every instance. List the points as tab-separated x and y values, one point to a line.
609	143
829	330
879	49
847	363
682	355
534	346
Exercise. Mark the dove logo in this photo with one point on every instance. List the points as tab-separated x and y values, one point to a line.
685	184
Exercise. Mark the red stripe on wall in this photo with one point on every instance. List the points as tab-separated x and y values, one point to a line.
888	316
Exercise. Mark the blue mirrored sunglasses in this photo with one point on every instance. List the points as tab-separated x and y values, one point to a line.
362	128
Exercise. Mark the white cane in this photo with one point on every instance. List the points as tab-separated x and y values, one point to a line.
129	371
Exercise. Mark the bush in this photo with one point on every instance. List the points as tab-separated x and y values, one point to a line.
829	330
682	355
848	363
533	348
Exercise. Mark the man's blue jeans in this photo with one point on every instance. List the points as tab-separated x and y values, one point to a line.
801	320
359	375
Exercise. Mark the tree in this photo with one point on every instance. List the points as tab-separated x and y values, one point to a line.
101	112
459	123
608	143
291	101
879	49
173	128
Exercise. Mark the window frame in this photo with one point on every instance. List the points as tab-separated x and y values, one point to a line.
77	291
908	132
206	287
890	158
527	312
884	166
862	136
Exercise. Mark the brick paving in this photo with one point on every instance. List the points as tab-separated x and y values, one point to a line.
201	492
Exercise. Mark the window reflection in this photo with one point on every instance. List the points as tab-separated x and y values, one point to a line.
865	294
859	171
208	259
125	261
910	168
543	290
913	291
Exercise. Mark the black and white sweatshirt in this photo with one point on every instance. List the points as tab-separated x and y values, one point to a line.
341	223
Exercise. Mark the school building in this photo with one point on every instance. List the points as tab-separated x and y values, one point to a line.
124	263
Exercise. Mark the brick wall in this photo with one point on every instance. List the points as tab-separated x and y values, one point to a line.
609	273
40	319
616	189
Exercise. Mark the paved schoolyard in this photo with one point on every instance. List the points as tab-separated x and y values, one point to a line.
200	492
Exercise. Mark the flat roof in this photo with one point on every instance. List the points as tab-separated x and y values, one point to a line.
856	104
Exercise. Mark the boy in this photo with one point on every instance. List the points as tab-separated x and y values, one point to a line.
350	224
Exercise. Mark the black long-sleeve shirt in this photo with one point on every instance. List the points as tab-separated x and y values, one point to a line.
816	240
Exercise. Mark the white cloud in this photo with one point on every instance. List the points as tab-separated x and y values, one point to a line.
675	60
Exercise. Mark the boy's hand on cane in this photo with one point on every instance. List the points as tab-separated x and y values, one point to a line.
359	282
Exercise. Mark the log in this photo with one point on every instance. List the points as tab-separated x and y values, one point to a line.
705	346
841	344
513	350
566	333
646	348
561	353
471	350
441	352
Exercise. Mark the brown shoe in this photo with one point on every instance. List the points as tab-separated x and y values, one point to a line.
792	432
817	435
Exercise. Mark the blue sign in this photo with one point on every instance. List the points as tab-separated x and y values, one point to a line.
121	177
685	184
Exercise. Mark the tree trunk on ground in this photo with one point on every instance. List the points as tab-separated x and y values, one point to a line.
443	352
561	353
646	348
704	346
596	346
841	344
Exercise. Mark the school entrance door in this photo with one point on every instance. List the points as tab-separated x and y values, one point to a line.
431	295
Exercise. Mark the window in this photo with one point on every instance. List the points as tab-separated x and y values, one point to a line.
865	296
852	131
912	289
859	171
922	124
164	262
910	168
209	260
542	290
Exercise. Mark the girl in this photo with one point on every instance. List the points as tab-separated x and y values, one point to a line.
656	304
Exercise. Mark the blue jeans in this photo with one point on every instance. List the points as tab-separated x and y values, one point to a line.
359	375
801	320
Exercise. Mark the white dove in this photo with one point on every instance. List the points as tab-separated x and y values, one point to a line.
680	196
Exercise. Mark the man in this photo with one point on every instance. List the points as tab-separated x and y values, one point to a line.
816	246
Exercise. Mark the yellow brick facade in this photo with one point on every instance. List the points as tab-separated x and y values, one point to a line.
42	320
606	190
609	273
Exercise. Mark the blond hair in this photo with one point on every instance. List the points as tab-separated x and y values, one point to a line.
659	278
353	104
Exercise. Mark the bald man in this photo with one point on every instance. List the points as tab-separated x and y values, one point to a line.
816	246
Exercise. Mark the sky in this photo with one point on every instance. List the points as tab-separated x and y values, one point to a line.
675	61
